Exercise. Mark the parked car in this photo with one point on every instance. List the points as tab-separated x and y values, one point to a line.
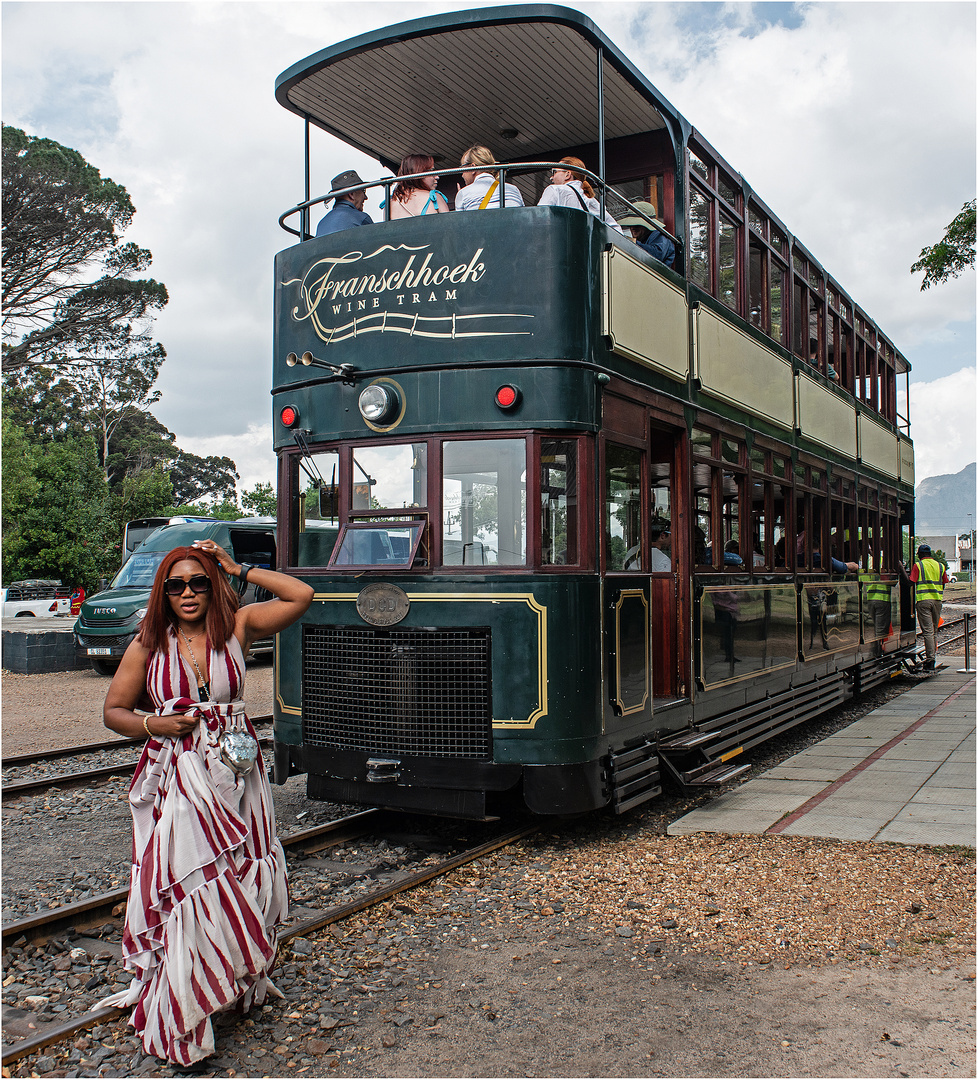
35	597
109	620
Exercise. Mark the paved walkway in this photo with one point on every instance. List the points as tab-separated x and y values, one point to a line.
904	773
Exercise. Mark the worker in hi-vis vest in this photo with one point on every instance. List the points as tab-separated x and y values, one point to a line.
929	577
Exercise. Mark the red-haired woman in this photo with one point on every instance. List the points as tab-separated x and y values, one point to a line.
208	880
570	187
415	198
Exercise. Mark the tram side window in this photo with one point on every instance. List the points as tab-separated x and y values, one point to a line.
484	503
623	508
558	503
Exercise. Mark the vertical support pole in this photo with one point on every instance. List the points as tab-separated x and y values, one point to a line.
967	669
601	196
502	188
304	227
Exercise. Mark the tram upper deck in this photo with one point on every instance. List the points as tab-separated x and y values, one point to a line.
746	324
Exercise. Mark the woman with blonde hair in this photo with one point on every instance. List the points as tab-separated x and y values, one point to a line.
415	198
482	182
570	187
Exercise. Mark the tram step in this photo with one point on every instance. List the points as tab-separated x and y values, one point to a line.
633	777
687	740
715	778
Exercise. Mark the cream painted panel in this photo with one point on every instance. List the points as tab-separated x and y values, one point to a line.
644	315
826	418
906	461
878	446
733	366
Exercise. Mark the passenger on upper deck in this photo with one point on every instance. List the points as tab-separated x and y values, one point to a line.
651	240
415	198
347	212
482	184
570	188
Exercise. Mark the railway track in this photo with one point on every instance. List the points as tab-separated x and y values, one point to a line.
97	910
14	788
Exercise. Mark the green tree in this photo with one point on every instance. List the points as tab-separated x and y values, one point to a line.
59	514
260	501
68	278
195	478
225	509
953	254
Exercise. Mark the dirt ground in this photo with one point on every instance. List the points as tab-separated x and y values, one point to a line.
555	959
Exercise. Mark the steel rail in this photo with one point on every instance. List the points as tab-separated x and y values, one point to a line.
328	917
16	788
95	909
92	748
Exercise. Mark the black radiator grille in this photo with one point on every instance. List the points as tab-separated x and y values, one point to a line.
419	691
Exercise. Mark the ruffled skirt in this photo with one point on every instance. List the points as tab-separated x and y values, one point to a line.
208	887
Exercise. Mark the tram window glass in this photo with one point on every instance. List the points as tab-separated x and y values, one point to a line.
558	502
730	450
484	502
390	477
778	273
699	240
778	242
623	508
378	543
727	263
731	532
699	167
319	488
778	465
702	441
703	513
756	267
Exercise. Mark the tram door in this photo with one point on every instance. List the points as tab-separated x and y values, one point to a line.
667	528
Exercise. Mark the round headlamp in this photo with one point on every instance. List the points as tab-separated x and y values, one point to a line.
378	403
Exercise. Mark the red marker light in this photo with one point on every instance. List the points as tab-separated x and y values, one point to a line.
508	396
289	416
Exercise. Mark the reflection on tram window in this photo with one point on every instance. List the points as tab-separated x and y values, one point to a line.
390	477
623	504
484	503
377	543
558	502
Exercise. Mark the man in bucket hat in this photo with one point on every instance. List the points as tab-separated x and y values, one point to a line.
347	212
648	239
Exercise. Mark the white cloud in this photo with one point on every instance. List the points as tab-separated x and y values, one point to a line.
854	122
250	451
942	424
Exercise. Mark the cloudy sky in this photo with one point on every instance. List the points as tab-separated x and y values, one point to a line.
855	122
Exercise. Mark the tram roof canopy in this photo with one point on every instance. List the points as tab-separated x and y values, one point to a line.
522	80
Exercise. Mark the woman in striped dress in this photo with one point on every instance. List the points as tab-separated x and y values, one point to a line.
208	884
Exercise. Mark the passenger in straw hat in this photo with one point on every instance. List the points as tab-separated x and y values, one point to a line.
648	239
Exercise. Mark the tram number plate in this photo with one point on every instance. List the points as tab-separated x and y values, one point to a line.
99	652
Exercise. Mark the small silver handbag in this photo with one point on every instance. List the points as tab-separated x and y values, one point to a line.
239	751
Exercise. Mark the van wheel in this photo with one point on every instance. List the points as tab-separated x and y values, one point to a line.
105	667
24	615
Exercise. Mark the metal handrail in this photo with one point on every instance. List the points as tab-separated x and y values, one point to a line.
388	182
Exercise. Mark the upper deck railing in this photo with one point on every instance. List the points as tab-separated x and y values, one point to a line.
606	193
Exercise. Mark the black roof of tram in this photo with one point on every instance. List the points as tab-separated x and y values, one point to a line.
531	69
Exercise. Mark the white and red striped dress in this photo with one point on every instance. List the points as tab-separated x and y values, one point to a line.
208	877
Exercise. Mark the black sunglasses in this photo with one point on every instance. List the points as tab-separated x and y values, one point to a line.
199	583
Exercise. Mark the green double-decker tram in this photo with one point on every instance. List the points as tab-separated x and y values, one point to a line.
577	520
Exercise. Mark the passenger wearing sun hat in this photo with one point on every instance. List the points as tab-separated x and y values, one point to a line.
648	239
347	212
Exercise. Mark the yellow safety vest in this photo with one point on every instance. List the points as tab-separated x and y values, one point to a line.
930	580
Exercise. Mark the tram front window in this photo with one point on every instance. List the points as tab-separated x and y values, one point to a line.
390	477
484	503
